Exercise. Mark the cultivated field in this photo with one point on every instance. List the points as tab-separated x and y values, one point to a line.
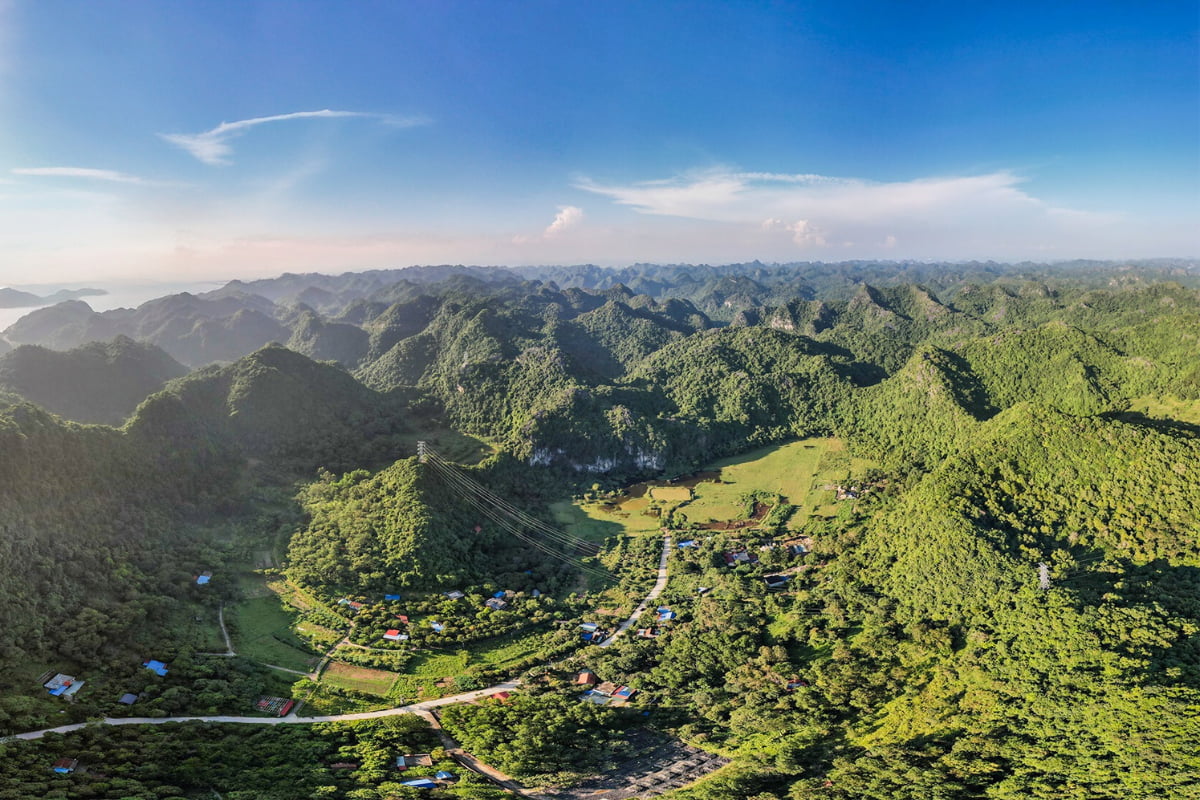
359	679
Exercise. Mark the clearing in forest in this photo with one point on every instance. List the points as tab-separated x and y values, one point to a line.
798	471
431	675
263	633
359	679
1167	408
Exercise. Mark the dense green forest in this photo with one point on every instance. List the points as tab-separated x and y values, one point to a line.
1019	417
101	382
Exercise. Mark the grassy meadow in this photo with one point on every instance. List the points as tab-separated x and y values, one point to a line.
797	471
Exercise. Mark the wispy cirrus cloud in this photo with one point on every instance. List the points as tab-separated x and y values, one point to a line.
818	211
87	173
212	146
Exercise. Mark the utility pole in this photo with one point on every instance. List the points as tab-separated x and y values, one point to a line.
1043	575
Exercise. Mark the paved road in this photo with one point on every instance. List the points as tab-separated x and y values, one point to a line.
659	585
415	708
290	719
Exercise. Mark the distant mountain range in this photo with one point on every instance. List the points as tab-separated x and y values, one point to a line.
355	318
15	298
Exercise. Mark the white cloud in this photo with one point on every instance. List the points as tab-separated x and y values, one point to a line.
805	233
567	217
944	216
212	147
86	173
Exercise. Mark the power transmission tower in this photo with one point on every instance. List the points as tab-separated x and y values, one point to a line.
1043	575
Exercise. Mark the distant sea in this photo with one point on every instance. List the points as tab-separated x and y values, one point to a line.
120	295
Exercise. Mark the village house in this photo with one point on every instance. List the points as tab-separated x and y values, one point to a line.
65	766
410	760
157	667
63	685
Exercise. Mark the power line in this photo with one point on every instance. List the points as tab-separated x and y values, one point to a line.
510	519
487	495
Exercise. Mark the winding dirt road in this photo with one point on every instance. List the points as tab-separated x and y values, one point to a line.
659	585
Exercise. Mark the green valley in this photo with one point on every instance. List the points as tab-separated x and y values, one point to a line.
897	541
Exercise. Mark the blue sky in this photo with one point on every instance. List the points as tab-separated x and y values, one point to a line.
222	139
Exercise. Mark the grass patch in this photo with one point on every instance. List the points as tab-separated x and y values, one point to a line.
426	670
597	521
323	700
1171	408
504	651
263	633
359	679
788	470
454	446
289	593
797	471
318	633
671	494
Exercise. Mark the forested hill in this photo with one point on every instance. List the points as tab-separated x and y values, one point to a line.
279	408
1098	672
95	522
915	652
98	382
355	318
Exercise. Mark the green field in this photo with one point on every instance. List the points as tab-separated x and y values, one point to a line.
596	521
319	633
1167	408
263	633
797	471
197	626
359	679
670	494
426	670
788	470
505	651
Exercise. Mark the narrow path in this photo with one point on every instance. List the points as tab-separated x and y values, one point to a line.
229	651
659	585
290	719
286	669
224	630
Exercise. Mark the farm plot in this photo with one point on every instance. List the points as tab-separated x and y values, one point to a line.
359	679
263	633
